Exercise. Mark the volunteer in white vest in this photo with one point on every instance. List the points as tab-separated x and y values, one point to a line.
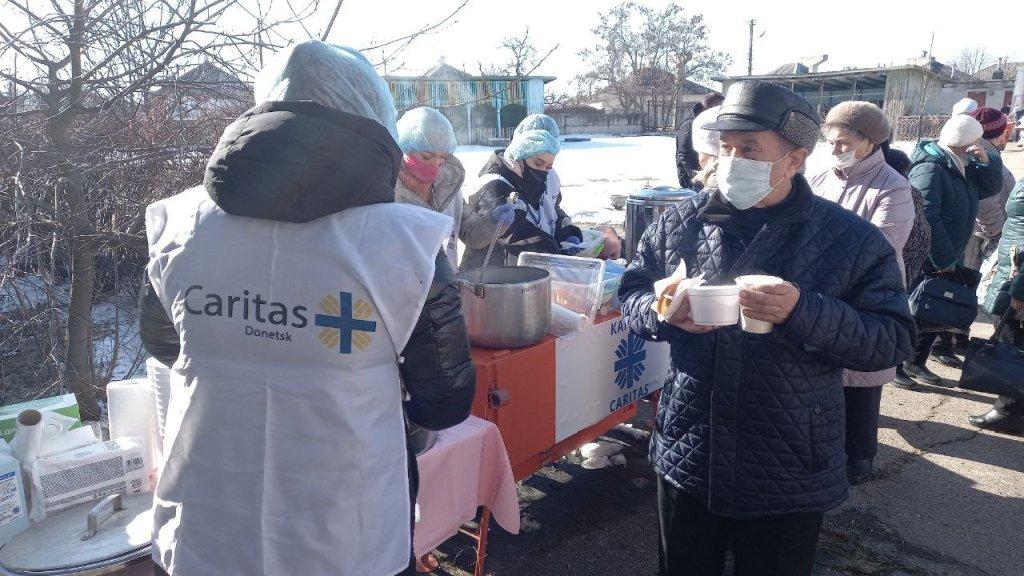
307	305
431	177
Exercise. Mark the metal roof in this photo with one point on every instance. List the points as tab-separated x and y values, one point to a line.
836	80
546	79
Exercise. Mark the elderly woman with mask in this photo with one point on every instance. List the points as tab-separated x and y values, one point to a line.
431	177
861	181
952	173
539	224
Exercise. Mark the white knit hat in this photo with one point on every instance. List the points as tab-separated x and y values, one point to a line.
964	106
960	131
706	141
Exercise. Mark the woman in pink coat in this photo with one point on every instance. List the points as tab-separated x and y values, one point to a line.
861	181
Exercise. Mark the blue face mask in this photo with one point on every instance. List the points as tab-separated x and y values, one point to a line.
745	182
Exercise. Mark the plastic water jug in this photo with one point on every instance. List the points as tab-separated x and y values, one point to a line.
13	509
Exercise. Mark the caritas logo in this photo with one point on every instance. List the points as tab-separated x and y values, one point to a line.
344	324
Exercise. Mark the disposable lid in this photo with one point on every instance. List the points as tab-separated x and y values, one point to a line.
64	545
575	281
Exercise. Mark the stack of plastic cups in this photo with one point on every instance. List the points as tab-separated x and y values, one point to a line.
132	413
160	377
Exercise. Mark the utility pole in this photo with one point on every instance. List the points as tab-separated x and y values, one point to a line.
750	49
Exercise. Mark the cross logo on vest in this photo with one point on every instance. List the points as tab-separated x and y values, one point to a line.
345	325
629	364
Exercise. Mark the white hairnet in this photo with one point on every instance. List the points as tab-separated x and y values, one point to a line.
425	130
531	143
706	141
538	122
333	76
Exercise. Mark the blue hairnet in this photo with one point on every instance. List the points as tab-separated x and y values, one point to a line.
531	143
425	130
538	122
337	77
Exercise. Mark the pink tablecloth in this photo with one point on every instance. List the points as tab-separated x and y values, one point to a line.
467	468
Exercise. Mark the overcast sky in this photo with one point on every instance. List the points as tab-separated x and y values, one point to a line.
859	33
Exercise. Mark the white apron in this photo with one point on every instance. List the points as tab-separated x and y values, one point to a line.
285	440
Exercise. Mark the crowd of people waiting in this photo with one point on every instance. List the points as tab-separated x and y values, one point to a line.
293	459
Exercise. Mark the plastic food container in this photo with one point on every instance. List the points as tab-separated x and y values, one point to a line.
715	305
576	283
612	279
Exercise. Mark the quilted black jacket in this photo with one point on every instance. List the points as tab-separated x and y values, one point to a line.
753	424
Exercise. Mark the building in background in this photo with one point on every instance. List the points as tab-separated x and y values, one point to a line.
482	109
202	93
991	86
913	95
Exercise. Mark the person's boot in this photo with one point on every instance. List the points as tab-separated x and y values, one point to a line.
922	372
859	470
999	420
903	381
949	360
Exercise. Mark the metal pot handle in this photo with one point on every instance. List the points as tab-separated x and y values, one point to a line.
93	520
478	289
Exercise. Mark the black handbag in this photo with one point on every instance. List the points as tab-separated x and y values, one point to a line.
992	366
947	302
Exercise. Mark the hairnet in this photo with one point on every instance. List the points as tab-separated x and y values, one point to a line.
529	144
337	77
425	130
538	122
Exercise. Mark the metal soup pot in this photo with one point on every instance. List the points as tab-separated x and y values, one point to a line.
111	537
509	307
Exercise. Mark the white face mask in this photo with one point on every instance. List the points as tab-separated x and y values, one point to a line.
844	160
745	182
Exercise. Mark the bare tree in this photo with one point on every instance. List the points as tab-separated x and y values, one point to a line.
90	136
970	61
523	57
645	57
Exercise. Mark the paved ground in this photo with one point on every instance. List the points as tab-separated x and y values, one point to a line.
948	500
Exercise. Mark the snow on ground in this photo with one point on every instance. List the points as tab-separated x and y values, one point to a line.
593	171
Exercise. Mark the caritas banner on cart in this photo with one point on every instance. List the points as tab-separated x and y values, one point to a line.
601	370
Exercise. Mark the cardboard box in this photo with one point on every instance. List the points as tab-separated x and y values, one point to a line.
66	405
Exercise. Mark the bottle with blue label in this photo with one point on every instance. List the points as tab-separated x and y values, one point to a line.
13	511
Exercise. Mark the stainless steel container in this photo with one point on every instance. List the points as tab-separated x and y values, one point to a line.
510	307
644	207
112	537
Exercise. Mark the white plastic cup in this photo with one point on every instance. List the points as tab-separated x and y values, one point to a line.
749	324
714	305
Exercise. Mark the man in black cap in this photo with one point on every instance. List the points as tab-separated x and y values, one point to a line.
748	446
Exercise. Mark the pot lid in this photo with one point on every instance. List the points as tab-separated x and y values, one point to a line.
64	544
662	193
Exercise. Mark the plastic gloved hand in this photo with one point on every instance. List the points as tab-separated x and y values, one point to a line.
571	246
503	214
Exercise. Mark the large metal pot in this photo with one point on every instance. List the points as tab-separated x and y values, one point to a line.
644	207
112	537
510	307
